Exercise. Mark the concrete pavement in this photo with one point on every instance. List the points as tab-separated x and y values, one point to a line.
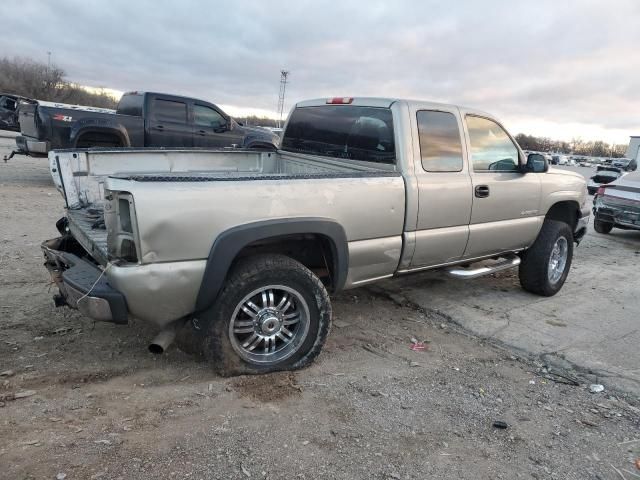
592	325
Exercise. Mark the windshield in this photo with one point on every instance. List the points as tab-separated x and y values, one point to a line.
342	131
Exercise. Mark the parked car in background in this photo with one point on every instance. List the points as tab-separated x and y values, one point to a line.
9	111
627	164
617	204
583	162
603	176
142	119
563	160
240	262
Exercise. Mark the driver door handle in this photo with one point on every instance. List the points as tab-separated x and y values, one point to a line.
482	191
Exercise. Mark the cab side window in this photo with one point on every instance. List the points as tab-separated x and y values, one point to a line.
169	111
440	144
207	117
491	148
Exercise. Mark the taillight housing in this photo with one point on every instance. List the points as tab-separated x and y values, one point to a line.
122	231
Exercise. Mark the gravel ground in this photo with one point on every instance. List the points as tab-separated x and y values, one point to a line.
97	405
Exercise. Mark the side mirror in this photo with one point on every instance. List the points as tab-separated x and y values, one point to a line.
222	127
536	163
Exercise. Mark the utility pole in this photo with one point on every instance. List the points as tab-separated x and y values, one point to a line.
284	74
48	61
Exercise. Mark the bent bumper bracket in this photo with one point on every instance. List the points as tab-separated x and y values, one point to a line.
83	285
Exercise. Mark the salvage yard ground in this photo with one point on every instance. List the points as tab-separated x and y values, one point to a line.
95	404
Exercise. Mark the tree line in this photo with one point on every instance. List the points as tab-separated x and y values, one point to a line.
576	146
31	79
255	121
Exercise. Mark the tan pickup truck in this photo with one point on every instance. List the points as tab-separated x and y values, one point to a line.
235	251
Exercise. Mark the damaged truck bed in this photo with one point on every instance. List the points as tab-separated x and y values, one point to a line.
172	258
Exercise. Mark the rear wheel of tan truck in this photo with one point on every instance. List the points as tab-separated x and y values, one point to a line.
545	266
273	314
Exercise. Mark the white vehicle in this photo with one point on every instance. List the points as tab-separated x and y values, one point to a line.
633	150
563	160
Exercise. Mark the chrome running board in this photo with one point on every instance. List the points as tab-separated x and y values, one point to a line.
509	261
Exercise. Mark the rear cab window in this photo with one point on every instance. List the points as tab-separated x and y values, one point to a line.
131	104
342	131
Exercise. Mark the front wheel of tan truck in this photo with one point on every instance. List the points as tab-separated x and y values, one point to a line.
273	314
545	266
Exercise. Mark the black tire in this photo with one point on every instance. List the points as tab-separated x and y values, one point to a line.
249	275
534	267
602	227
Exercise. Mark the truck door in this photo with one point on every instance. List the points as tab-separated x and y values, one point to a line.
168	124
444	187
212	129
505	214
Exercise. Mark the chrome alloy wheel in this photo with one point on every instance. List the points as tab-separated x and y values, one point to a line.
558	260
269	324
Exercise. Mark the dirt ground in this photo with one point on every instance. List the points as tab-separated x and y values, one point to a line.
93	403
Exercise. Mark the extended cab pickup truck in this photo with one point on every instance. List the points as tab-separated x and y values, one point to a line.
142	119
236	251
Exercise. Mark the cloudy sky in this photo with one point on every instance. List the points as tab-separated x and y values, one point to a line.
557	68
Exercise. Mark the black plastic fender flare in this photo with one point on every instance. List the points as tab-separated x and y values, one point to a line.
230	242
99	126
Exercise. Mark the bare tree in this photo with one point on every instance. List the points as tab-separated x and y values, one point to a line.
577	146
32	79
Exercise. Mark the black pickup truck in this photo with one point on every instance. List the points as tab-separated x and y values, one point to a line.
142	119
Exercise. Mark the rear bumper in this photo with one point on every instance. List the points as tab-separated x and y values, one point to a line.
581	226
620	216
83	285
33	146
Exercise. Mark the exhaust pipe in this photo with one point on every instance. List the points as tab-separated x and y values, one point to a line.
165	338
